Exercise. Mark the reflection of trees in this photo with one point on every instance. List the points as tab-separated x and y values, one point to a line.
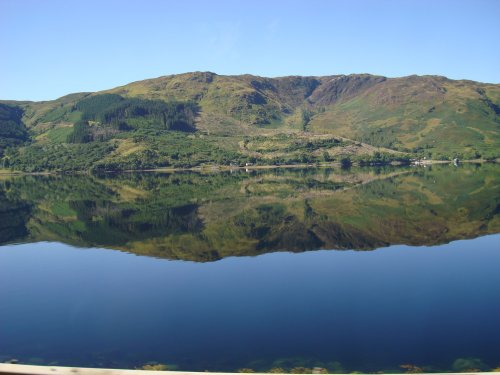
14	215
107	223
206	217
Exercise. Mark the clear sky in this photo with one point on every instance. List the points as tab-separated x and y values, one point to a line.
54	47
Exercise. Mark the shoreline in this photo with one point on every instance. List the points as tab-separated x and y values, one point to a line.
224	168
18	369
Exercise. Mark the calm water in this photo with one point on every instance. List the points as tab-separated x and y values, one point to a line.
230	274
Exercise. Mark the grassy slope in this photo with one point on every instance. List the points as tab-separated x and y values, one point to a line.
411	113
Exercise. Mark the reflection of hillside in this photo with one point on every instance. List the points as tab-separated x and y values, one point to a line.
204	217
14	214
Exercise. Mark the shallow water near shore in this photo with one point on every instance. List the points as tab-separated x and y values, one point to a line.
230	274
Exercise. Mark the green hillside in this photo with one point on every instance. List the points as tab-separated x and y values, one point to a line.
202	118
414	113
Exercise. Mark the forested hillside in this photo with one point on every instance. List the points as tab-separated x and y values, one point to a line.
12	130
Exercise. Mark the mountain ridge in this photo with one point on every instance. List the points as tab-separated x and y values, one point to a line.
419	115
436	76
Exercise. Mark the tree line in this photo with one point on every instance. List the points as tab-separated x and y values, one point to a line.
124	114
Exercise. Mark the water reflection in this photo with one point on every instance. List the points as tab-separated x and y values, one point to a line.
396	309
206	217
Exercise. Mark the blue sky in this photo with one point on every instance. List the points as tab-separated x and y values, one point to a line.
52	48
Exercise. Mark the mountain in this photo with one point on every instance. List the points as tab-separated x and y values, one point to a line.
203	118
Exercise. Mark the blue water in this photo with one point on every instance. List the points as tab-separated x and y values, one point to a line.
368	311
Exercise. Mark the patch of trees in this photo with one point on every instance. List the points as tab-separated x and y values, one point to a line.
81	133
59	157
382	137
129	113
379	158
94	107
306	116
311	145
12	129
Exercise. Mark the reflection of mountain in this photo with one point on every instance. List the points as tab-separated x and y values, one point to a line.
204	217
